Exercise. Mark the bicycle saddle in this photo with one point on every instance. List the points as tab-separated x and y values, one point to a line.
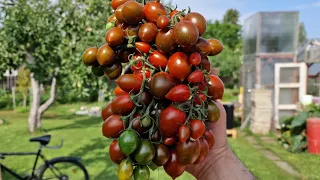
43	140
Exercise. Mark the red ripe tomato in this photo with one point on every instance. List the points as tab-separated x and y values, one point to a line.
179	93
162	155
143	47
188	152
217	47
160	84
198	20
122	105
197	128
129	82
204	150
179	66
114	37
163	22
208	135
196	77
106	111
170	121
148	32
152	10
205	64
158	59
173	168
136	66
200	98
115	154
132	12
118	14
118	91
185	33
184	133
164	41
139	73
112	127
116	3
170	141
195	59
203	46
216	87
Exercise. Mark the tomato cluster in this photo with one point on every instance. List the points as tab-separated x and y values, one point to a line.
165	96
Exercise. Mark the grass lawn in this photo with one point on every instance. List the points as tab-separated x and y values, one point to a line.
82	137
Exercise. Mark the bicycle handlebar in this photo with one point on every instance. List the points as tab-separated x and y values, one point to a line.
55	147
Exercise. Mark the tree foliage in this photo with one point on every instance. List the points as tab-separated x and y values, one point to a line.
231	16
302	33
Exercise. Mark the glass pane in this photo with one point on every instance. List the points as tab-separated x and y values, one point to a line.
288	95
283	113
250	32
278	32
267	69
289	75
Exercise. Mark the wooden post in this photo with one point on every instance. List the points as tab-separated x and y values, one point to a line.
13	90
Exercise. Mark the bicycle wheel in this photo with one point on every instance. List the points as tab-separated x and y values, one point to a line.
63	169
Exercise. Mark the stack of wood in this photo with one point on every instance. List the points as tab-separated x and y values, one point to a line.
261	111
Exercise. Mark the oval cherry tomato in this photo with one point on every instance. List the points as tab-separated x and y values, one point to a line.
217	47
129	82
205	64
143	47
184	133
118	91
208	135
122	105
136	125
188	152
112	127
139	73
136	66
204	150
160	84
132	30
145	98
106	111
195	59
216	87
197	128
179	66
116	3
148	32
132	12
170	121
152	10
196	77
163	22
185	33
115	154
179	93
198	20
173	168
200	98
124	55
114	37
89	56
112	18
105	55
203	46
113	71
156	137
164	41
162	155
158	59
170	141
213	112
118	14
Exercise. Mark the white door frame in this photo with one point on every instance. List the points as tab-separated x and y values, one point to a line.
301	85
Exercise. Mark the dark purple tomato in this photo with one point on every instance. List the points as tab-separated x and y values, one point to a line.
185	33
198	20
164	41
148	32
160	84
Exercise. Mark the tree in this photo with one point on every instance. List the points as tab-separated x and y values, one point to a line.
47	38
23	83
302	33
231	16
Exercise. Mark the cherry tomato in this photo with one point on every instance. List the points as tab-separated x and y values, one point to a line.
203	46
179	66
173	167
202	86
122	105
112	126
160	84
114	37
217	47
136	66
197	128
184	133
118	14
139	73
131	30
170	121
156	137
89	56
208	135
152	10
204	150
115	154
188	152
132	12
145	98
158	59
116	3
196	77
179	93
148	32
213	112
195	59
105	55
170	141
113	71
112	18
124	55
198	20
143	47
185	33
162	155
163	22
164	41
216	87
106	111
200	98
205	64
129	82
118	91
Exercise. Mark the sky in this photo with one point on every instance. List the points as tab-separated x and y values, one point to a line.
215	9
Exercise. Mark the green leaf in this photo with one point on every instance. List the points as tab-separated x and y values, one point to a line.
299	120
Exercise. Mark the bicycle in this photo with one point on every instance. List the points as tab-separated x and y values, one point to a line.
51	168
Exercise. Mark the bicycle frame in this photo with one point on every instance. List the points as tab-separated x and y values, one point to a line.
38	154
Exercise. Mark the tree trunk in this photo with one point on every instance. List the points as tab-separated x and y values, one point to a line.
48	103
24	94
35	103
